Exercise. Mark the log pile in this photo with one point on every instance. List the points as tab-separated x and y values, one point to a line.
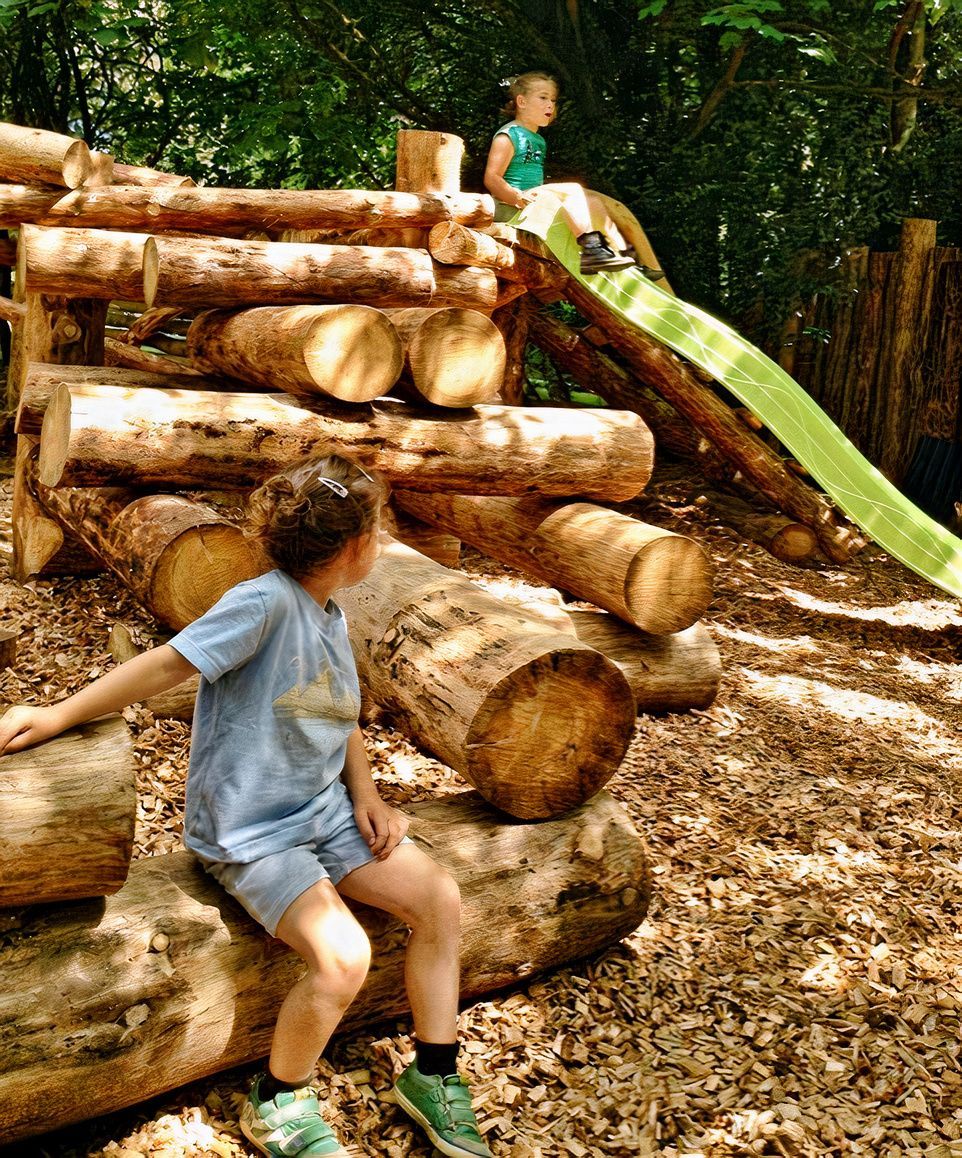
384	325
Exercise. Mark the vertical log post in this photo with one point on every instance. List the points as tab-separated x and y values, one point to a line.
428	162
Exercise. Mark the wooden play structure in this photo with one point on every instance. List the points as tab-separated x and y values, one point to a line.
392	326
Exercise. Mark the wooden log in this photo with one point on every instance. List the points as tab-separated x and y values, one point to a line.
28	155
654	579
68	331
428	162
177	557
514	322
35	537
101	170
169	980
146	324
21	204
96	434
789	541
437	545
142	175
121	355
68	811
533	718
219	272
411	238
12	312
454	244
663	370
229	211
81	263
666	673
349	352
453	357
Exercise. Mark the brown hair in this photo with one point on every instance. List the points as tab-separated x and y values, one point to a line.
305	515
519	86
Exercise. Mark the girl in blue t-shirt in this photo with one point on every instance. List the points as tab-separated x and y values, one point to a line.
515	172
283	811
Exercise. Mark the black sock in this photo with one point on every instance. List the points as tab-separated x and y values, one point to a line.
270	1086
433	1058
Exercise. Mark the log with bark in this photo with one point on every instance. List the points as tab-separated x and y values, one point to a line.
660	368
28	155
101	170
111	1002
68	810
36	538
790	541
349	352
428	162
95	434
142	175
82	263
229	212
452	357
146	325
178	557
410	238
11	311
123	356
437	545
533	718
219	272
654	579
63	330
514	322
25	204
455	244
666	673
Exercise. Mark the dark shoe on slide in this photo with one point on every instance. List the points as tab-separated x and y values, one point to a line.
597	254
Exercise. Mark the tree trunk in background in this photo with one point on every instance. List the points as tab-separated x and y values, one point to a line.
68	811
170	981
900	382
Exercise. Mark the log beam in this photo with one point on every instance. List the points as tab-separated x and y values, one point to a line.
82	263
170	981
653	579
453	357
95	434
68	811
39	155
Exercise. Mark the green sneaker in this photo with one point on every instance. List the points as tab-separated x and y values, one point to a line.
289	1126
442	1107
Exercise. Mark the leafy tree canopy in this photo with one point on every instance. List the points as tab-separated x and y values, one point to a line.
746	136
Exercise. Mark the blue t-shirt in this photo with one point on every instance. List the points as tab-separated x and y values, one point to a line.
526	168
278	700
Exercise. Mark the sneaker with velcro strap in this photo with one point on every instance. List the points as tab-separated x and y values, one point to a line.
289	1125
441	1106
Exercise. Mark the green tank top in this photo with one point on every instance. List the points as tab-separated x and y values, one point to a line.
526	169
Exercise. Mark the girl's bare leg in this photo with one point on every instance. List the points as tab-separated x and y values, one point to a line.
321	929
425	897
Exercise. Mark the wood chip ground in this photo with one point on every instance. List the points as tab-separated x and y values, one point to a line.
796	989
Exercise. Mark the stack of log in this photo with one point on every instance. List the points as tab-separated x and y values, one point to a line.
386	325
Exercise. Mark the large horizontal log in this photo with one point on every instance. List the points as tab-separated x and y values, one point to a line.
178	557
20	204
223	273
453	357
349	352
168	981
68	810
652	578
39	155
96	434
225	211
454	244
84	263
533	718
667	373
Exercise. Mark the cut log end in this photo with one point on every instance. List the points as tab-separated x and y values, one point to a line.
534	747
669	584
207	562
151	268
78	165
456	357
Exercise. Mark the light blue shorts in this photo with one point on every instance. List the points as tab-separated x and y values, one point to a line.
266	887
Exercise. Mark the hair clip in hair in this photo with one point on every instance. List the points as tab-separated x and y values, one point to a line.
338	488
507	81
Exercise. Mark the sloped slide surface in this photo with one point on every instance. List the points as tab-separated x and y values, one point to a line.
852	482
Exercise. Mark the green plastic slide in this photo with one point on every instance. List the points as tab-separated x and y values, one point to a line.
857	487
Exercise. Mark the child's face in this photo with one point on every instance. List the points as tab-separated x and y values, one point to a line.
538	105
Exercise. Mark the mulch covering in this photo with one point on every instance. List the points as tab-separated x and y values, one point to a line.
797	986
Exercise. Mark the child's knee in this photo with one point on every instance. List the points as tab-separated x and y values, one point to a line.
338	961
440	905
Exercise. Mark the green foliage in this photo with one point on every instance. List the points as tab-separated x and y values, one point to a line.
753	139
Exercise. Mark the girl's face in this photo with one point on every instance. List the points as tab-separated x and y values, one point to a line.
537	107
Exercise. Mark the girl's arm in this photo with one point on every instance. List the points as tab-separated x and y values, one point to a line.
146	675
499	158
382	826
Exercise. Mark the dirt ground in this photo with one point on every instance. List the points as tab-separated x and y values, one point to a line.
797	985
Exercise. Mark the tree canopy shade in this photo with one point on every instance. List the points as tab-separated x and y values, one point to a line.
746	136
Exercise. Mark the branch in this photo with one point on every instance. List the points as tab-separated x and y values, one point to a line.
720	91
949	97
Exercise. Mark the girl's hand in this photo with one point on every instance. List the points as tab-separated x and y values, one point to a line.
28	724
526	196
382	826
